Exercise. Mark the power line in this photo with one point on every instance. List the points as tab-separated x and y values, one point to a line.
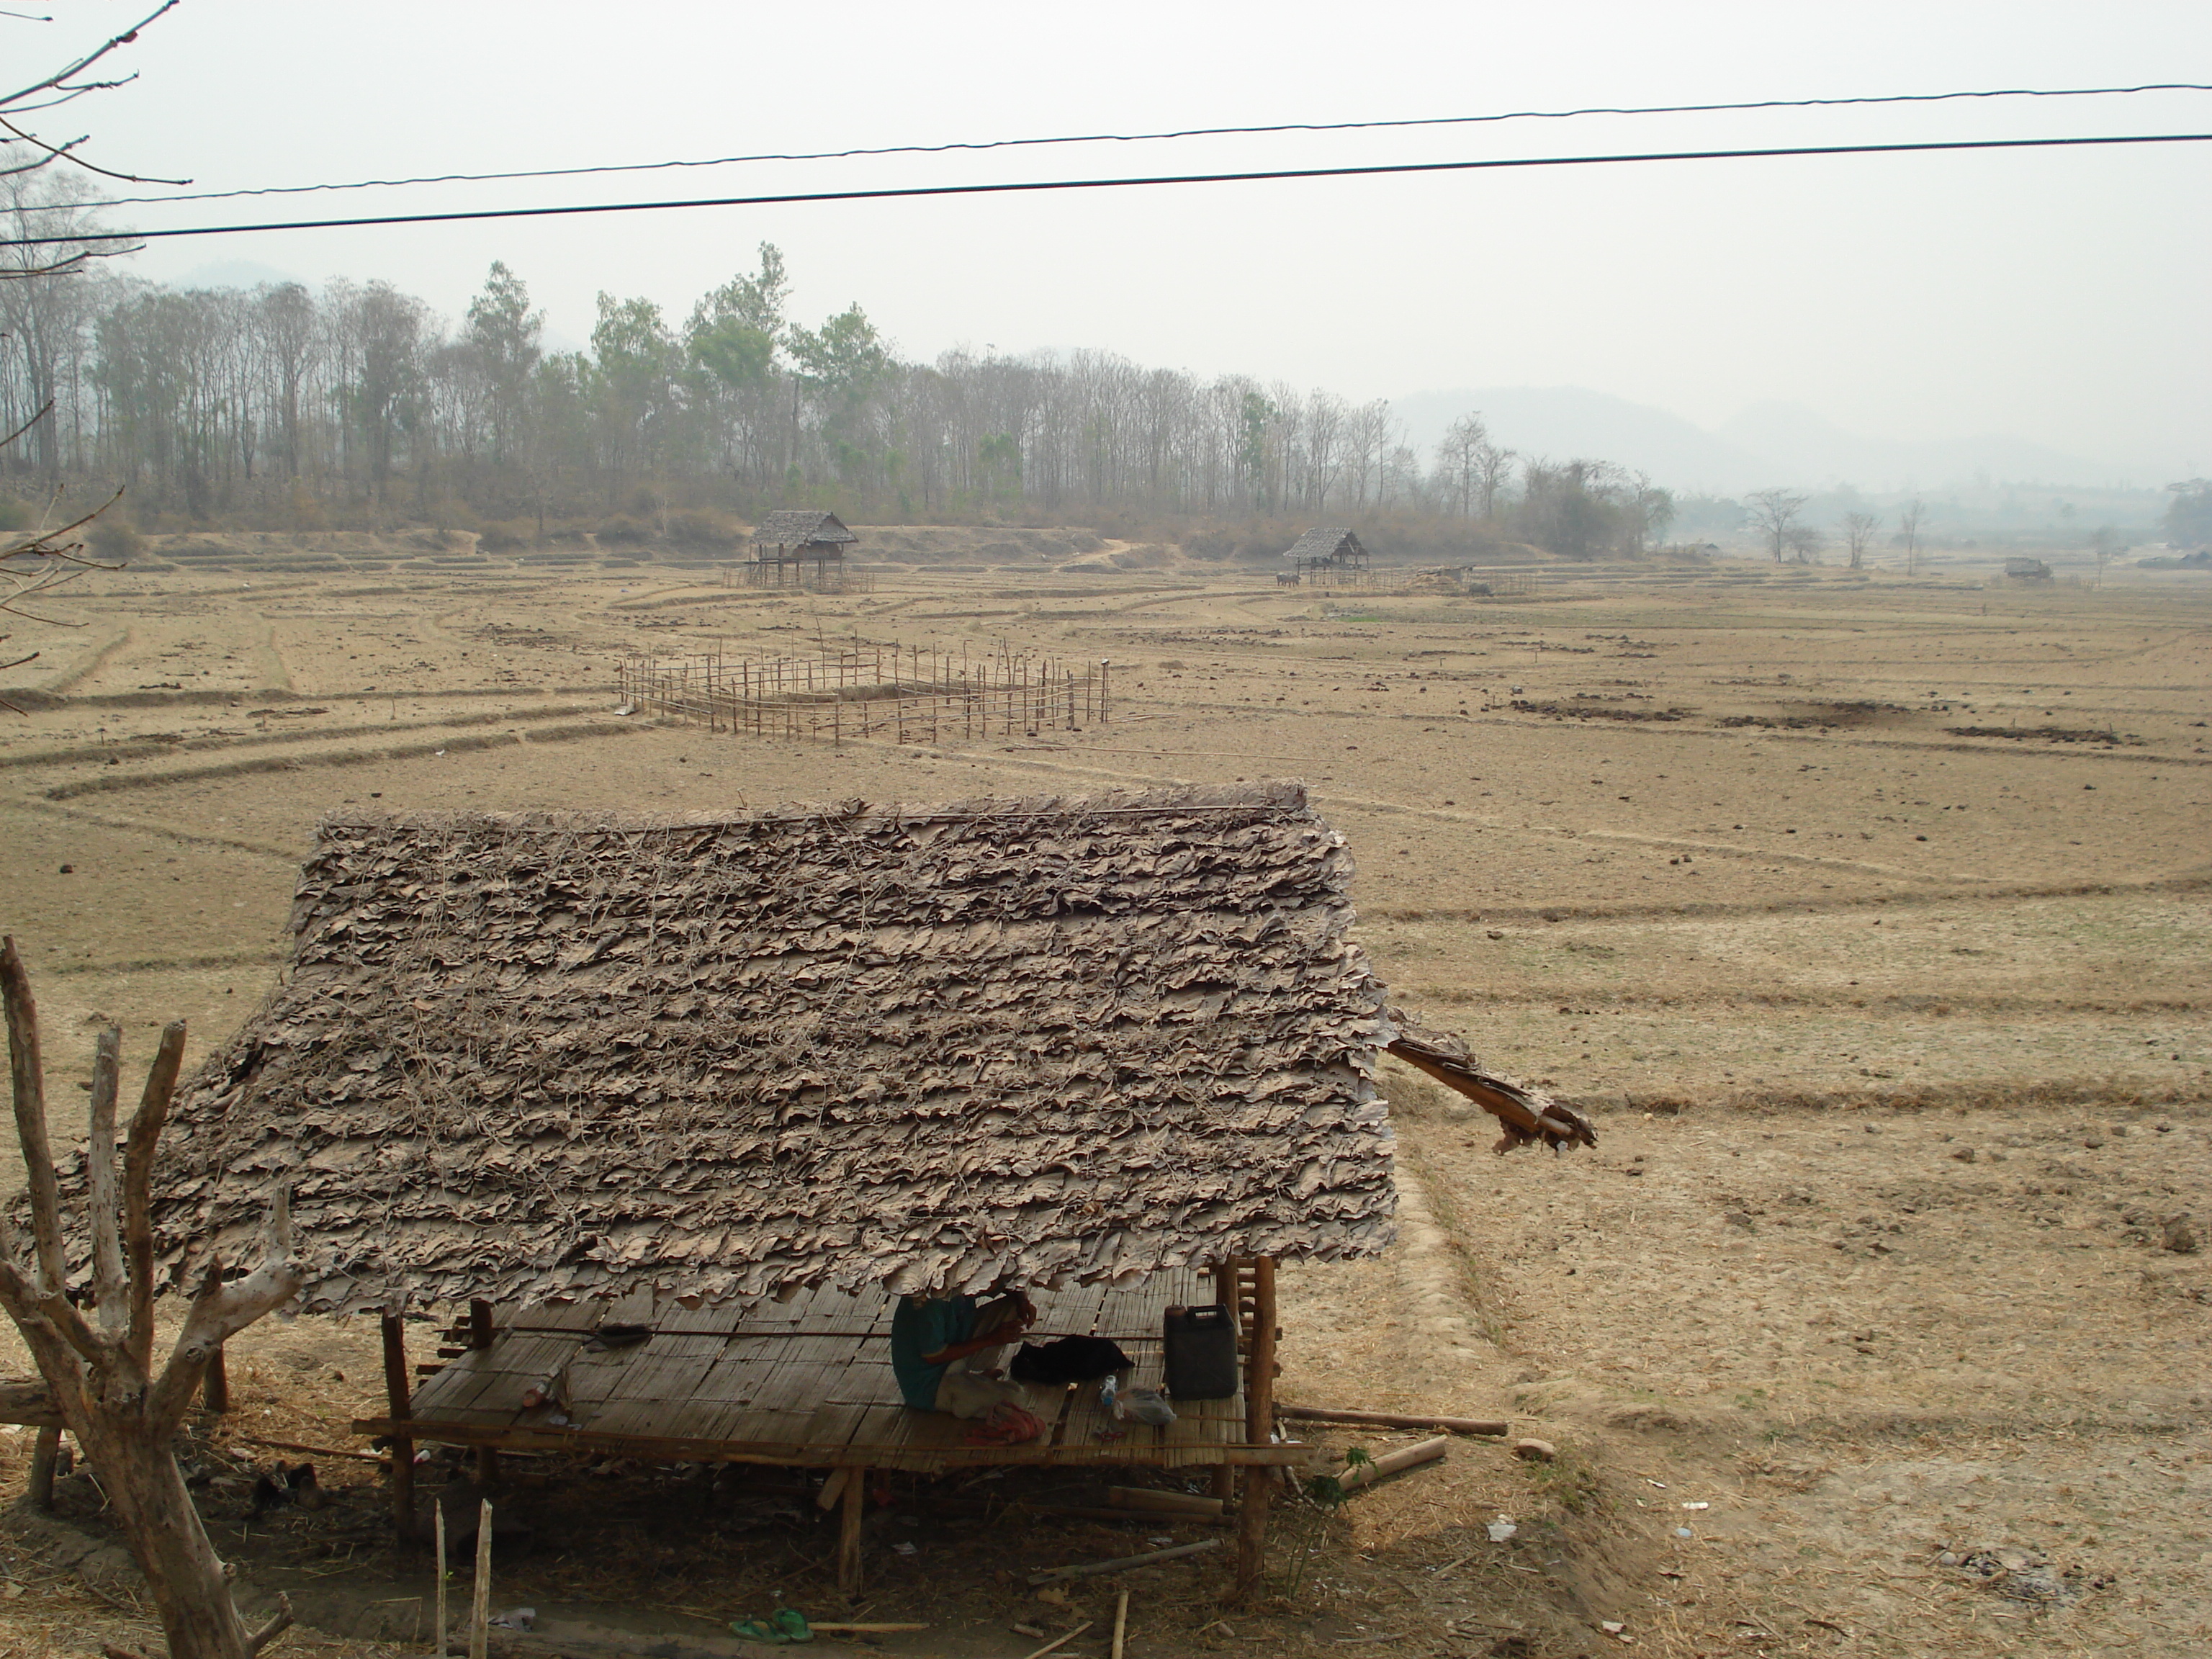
1151	138
1036	185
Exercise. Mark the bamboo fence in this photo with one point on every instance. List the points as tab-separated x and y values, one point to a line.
883	693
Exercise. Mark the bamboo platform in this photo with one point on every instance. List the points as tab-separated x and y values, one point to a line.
807	1384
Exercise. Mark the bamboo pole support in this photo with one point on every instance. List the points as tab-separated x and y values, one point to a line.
1259	1430
850	1514
480	1592
399	1401
440	1592
1120	1623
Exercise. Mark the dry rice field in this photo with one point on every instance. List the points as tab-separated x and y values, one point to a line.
1872	919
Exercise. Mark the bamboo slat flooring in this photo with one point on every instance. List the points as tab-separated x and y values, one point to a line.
806	1383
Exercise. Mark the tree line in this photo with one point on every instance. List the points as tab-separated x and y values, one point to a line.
360	403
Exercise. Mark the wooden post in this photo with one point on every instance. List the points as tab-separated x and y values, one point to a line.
442	1581
397	1397
480	1602
854	1511
215	1384
482	1333
1225	1292
44	1456
1259	1430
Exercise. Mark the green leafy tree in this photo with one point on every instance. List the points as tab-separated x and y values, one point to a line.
2188	515
507	333
840	363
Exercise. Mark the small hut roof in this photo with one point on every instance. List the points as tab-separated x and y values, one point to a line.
1318	544
801	527
1042	1042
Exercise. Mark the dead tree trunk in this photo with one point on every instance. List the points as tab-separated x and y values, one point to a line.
100	1375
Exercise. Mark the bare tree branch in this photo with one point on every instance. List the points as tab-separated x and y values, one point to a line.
59	82
46	409
27	1073
100	1183
145	1135
221	1310
63	153
269	1631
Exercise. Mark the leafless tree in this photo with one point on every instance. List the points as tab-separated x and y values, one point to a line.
23	153
1908	529
94	1348
2106	544
1804	543
37	563
1775	511
1858	536
1458	462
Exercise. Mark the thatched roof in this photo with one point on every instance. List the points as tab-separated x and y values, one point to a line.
1042	1041
801	527
1316	546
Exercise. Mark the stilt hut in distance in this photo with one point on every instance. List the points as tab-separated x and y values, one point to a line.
792	539
745	1079
1328	555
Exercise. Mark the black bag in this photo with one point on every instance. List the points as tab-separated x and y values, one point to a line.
1070	1359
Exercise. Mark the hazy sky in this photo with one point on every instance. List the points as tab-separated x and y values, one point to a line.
2060	296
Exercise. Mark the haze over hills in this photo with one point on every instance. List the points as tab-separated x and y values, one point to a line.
1770	443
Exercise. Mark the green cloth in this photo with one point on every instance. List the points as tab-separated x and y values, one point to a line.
924	1326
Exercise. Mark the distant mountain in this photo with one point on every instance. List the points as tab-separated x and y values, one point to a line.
1564	422
1769	443
1816	451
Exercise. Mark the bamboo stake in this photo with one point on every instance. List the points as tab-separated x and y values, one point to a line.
480	1603
1406	1457
1121	1623
1494	1426
442	1581
1094	1569
1059	1642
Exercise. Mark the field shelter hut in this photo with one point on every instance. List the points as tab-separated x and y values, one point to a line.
1328	555
745	1080
794	538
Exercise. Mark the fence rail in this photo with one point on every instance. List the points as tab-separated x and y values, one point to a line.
895	692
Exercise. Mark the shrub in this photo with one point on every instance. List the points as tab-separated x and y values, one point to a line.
112	540
500	535
697	529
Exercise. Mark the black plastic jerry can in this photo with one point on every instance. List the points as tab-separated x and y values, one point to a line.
1201	1353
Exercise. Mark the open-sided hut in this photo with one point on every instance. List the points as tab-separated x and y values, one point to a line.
1328	555
795	538
746	1078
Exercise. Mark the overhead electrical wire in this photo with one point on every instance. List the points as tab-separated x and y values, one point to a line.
980	145
1041	186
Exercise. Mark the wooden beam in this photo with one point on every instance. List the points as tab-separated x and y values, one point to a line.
26	1400
792	1453
850	1513
399	1398
1495	1426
